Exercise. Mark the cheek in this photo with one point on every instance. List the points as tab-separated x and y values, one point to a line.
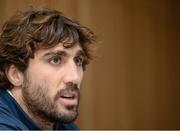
44	76
40	72
81	76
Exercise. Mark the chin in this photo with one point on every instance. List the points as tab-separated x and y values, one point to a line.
68	117
67	114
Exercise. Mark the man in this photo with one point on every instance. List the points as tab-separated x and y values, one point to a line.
43	55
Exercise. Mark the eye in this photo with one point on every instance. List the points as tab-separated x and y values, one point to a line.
79	60
55	60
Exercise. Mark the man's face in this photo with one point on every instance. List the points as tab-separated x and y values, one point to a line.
52	82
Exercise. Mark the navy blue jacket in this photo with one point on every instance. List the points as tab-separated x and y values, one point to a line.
12	117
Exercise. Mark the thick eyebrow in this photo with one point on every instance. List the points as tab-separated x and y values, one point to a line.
60	53
80	53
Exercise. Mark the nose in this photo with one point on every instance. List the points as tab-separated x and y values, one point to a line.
72	74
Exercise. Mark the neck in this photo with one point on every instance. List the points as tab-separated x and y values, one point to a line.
40	121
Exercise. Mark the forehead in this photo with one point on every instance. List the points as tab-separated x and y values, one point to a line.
59	47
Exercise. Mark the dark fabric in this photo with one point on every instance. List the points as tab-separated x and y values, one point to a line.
12	117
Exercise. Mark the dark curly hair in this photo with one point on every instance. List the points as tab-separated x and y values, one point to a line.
26	32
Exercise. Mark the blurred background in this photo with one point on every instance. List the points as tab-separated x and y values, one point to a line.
134	83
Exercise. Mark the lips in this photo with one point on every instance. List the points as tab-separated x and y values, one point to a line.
69	98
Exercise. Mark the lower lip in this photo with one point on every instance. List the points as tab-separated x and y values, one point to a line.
67	101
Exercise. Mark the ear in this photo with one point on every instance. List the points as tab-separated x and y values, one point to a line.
14	75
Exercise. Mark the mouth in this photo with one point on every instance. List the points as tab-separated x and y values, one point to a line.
69	99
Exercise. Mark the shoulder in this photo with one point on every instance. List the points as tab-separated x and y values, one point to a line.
6	126
7	120
60	126
70	127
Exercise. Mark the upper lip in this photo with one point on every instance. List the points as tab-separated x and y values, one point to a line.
71	95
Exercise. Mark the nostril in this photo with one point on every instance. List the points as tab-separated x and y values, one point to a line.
70	84
72	78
